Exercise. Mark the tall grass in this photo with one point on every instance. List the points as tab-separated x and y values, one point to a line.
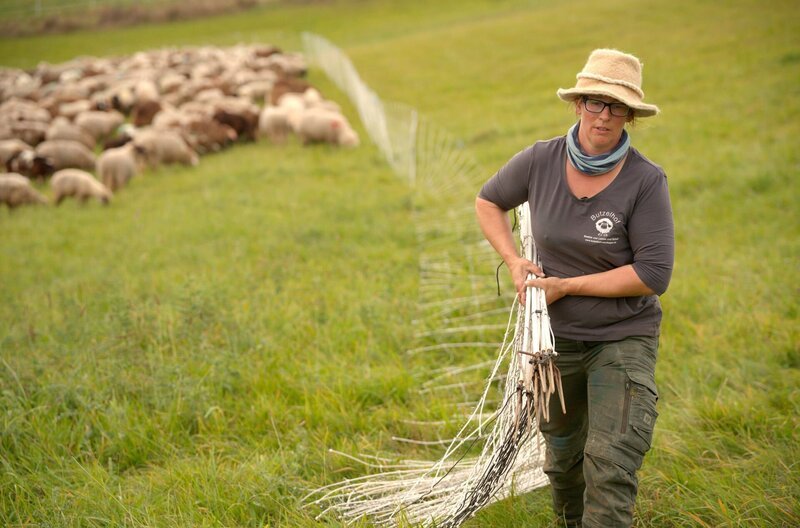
186	356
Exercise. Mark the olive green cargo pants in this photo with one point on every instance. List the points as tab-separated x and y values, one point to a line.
594	450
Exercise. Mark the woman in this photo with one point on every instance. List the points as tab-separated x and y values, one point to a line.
602	223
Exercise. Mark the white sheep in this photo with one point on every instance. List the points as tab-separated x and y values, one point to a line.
145	90
116	167
328	105
256	91
78	184
62	128
317	125
73	108
312	97
16	190
23	110
65	153
292	101
275	122
99	124
164	146
10	148
31	132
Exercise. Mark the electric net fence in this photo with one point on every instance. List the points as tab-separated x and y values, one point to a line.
459	310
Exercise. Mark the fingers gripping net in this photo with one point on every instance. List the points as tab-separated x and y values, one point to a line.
458	310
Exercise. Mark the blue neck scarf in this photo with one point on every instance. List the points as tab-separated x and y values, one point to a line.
594	165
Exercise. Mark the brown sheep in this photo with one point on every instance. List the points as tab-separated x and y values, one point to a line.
144	111
79	184
65	153
240	115
208	135
16	190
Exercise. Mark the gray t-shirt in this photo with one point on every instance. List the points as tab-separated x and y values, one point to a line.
628	222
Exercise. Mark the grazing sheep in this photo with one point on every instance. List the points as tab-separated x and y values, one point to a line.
78	184
65	153
99	124
171	117
171	82
207	135
197	108
256	91
208	95
28	163
244	122
144	111
324	104
17	83
10	148
275	123
23	110
16	190
287	85
292	101
116	167
312	97
289	65
31	132
322	126
164	146
73	108
124	134
62	128
145	90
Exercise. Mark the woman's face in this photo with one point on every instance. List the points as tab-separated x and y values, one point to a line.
599	132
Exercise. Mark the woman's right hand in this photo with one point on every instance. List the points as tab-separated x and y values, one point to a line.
520	268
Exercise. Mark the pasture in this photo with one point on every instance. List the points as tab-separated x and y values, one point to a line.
188	355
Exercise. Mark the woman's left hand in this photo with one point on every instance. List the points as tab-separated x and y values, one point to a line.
554	287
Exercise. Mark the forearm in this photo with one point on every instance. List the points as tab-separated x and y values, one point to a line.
497	229
618	282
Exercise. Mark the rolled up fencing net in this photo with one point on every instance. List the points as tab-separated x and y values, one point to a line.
457	311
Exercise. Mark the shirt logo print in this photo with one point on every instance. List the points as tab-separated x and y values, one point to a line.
604	225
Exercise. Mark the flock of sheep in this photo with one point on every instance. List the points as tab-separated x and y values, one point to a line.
114	116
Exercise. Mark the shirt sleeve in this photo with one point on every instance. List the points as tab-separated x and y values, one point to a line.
652	235
509	187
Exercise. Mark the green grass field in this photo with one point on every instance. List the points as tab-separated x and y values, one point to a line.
186	356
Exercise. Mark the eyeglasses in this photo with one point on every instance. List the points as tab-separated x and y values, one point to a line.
596	106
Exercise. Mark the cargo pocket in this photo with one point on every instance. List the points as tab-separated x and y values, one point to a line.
639	413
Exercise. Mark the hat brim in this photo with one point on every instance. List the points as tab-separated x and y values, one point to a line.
640	109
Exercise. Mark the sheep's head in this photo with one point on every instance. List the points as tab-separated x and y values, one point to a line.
348	137
42	167
38	199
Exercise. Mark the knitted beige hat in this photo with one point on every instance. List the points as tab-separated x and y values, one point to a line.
614	74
